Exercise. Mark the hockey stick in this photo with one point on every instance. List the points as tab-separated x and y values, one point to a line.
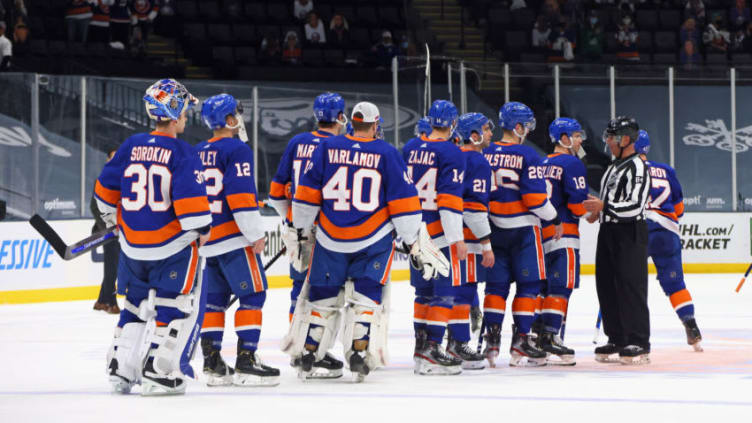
744	278
427	87
597	327
266	266
69	252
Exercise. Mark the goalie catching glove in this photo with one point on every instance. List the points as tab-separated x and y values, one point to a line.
299	244
426	257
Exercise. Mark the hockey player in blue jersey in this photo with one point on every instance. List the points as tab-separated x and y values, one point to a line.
567	189
357	189
437	166
422	127
665	208
476	132
153	188
329	112
233	264
518	203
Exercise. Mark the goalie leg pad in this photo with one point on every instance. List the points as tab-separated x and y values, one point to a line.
322	323
124	367
367	321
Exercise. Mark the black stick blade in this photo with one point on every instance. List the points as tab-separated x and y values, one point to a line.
49	234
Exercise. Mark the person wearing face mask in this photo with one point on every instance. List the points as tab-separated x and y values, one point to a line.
385	49
592	39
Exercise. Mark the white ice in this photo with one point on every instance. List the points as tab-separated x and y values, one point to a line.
52	368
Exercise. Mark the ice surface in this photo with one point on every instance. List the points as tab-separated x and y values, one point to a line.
52	368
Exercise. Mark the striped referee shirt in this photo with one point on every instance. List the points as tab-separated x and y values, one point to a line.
625	189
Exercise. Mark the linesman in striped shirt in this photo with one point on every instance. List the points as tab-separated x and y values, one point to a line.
621	270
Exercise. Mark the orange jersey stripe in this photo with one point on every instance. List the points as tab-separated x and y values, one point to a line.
387	271
248	317
523	304
555	303
569	229
460	311
449	201
671	216
577	209
539	252
533	200
679	208
495	301
510	207
354	232
680	297
420	311
404	205
223	230
191	276
571	268
157	236
277	190
244	200
434	228
255	269
111	196
471	205
470	265
438	314
308	194
214	319
469	236
456	275
191	205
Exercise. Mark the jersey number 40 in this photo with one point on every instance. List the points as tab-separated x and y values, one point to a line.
337	189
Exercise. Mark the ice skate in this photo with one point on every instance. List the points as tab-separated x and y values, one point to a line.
693	334
605	353
153	383
326	368
358	366
250	371
493	343
420	343
120	384
217	372
476	319
471	360
523	352
558	354
433	360
634	355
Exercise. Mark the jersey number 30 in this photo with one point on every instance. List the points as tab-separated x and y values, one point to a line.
336	189
144	187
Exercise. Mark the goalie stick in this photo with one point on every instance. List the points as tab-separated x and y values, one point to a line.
69	252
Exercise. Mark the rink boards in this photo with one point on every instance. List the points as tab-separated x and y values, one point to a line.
30	271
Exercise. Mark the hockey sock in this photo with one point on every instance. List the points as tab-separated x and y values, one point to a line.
213	327
297	285
436	322
420	313
538	307
476	301
682	302
554	309
523	311
494	307
248	319
459	322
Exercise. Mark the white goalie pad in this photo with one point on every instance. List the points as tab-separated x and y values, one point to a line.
329	319
131	343
356	312
426	257
299	249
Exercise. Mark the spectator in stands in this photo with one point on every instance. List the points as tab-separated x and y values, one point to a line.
77	17
6	49
99	27
739	15
715	37
292	53
384	50
339	31
592	39
627	39
562	42
689	57
314	29
270	49
301	8
696	9
120	23
541	31
143	13
689	31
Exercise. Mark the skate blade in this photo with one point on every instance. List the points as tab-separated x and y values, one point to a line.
249	381
560	360
214	380
120	385
520	360
425	368
697	346
473	365
635	361
321	373
152	389
606	358
358	377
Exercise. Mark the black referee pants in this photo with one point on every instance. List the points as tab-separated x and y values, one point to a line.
621	279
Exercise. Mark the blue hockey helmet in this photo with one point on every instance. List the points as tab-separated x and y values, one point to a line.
513	113
215	110
442	114
328	106
563	126
167	99
423	127
472	122
642	145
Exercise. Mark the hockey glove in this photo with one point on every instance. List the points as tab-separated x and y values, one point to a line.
299	243
426	257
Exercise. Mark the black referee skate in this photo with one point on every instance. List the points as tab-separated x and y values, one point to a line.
522	347
492	337
217	372
634	354
250	371
552	345
693	334
471	360
604	353
433	360
153	383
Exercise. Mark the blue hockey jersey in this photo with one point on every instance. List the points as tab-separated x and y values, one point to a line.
567	190
518	190
666	204
360	191
155	184
475	199
228	174
437	167
294	160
